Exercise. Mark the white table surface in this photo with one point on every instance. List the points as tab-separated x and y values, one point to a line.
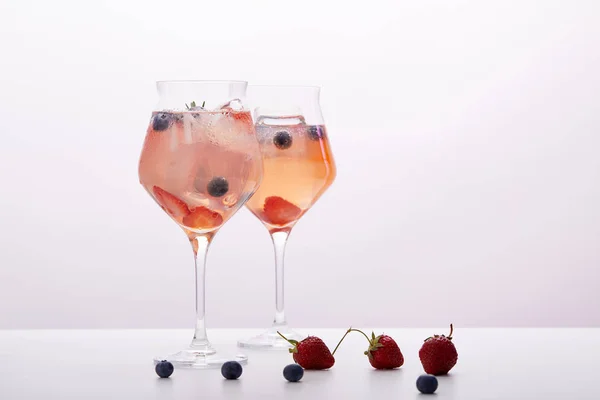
117	364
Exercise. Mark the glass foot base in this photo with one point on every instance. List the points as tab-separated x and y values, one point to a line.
270	340
194	359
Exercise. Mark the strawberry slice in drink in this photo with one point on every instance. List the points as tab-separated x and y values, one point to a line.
202	218
172	204
243	116
278	211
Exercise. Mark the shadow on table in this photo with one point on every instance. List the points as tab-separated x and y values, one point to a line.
164	386
231	387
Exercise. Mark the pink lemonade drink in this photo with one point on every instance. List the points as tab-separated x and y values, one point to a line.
196	165
298	169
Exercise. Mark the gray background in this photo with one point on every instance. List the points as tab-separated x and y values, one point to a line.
466	135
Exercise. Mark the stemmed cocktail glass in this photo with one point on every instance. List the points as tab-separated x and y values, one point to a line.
298	168
201	162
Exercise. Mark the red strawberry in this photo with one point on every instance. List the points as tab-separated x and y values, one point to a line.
202	218
383	352
438	354
311	353
278	211
173	205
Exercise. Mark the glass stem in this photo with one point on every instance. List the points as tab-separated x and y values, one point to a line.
200	244
279	241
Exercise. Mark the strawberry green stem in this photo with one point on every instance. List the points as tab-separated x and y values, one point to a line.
344	337
286	339
294	343
341	340
358	330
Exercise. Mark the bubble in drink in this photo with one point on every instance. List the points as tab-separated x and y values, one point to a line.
230	200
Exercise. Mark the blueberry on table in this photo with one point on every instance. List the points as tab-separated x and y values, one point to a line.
282	140
164	369
231	370
427	384
218	186
161	121
293	372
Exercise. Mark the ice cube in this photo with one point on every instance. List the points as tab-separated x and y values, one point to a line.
183	164
174	137
188	127
264	116
235	104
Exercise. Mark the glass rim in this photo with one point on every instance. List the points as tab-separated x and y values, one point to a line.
286	86
200	81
